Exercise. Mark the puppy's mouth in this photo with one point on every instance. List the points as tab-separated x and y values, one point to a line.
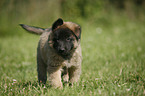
65	55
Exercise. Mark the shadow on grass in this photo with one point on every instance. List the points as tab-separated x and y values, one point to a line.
32	84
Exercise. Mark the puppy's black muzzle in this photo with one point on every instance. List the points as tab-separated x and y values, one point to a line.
64	53
61	50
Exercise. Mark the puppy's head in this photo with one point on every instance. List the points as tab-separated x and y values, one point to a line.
65	37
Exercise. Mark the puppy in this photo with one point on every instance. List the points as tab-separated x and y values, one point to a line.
58	52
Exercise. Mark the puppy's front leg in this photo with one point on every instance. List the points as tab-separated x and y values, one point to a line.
55	77
74	74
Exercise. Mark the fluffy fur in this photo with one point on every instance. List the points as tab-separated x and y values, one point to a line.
58	53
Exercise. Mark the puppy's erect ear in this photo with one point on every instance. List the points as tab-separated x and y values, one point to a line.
75	28
77	31
57	23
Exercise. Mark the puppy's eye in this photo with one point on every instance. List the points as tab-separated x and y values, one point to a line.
56	39
68	39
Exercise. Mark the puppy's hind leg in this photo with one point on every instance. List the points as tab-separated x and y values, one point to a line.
42	70
65	75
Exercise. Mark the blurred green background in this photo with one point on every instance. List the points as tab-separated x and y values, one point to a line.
85	12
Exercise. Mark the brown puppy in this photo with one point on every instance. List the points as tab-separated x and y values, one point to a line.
58	53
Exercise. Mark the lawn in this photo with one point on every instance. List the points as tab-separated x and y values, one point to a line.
113	62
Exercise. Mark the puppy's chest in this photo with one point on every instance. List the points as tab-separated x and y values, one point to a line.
60	62
74	61
57	61
67	63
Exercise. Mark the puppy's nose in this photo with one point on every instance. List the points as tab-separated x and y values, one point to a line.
61	50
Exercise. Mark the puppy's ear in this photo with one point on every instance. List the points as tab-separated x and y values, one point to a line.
77	32
57	23
75	28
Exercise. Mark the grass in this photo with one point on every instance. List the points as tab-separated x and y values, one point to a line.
113	62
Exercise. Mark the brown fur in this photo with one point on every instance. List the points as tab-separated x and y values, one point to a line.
48	61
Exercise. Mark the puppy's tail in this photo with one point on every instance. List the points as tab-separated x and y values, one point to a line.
32	29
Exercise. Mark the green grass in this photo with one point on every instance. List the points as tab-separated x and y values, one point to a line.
113	62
